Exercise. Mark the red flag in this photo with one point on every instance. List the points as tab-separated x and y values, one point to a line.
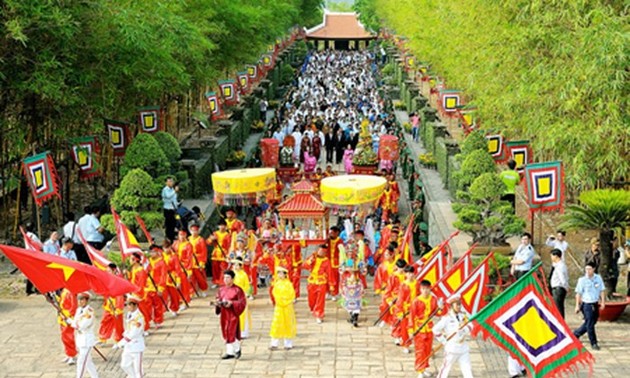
126	240
407	242
147	234
435	266
474	290
30	243
50	273
455	276
96	256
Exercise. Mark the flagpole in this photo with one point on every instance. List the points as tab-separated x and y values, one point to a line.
437	349
386	311
57	307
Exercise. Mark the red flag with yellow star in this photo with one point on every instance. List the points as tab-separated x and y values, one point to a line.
50	273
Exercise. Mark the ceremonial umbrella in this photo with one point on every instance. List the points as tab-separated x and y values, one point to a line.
352	190
50	273
244	186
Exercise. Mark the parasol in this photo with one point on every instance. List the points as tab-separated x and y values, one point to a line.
243	186
352	190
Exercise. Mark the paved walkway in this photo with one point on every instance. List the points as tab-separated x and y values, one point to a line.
190	345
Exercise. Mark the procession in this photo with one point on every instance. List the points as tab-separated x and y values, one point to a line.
332	250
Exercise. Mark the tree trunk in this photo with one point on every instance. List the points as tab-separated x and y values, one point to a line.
606	269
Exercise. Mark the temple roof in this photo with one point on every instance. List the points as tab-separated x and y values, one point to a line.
339	26
303	186
302	205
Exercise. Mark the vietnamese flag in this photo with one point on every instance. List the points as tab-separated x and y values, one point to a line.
50	273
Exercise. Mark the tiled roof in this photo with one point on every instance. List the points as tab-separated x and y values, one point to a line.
302	205
339	26
303	186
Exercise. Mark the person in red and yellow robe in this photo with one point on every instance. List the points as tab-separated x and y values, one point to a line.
68	306
336	249
390	294
422	308
319	282
393	184
200	258
384	270
156	287
229	305
387	202
234	225
113	308
173	279
138	277
184	252
220	240
407	292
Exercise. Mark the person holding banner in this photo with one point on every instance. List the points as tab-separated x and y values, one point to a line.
451	331
68	306
112	320
220	240
423	308
200	258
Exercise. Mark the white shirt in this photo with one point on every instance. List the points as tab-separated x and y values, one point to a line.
557	244
449	325
133	337
69	231
526	254
560	275
83	322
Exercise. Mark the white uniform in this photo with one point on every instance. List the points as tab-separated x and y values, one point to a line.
133	342
456	349
84	339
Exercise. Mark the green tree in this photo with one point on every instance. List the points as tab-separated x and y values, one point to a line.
169	145
145	153
603	210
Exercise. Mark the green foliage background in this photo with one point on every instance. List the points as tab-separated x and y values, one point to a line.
554	72
66	64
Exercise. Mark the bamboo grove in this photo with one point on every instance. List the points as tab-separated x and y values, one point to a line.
66	64
554	72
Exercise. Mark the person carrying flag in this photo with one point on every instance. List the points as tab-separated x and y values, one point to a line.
422	309
200	258
220	241
156	287
138	277
68	306
112	321
451	331
407	293
173	279
184	251
83	323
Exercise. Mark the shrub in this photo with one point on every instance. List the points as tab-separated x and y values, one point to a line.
474	165
474	141
145	153
169	145
488	219
137	191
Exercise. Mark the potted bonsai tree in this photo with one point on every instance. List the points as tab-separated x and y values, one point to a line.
483	215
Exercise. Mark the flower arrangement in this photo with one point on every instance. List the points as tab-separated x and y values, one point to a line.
428	160
258	125
407	127
399	105
236	156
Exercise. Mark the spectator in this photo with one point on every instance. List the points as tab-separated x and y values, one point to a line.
51	246
169	205
66	249
593	255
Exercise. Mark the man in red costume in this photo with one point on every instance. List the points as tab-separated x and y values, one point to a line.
68	306
234	225
422	309
384	270
319	281
173	278
407	292
156	286
336	249
200	258
184	251
138	277
221	241
230	304
113	308
390	295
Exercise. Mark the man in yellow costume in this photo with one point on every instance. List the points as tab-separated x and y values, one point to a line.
283	325
241	279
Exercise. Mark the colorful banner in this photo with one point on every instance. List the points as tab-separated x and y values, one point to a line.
454	277
214	105
520	151
30	243
41	176
243	81
474	289
85	152
252	73
228	91
524	321
496	147
449	101
118	136
150	119
126	240
544	185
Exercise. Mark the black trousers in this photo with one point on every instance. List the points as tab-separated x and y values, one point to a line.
169	224
559	295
